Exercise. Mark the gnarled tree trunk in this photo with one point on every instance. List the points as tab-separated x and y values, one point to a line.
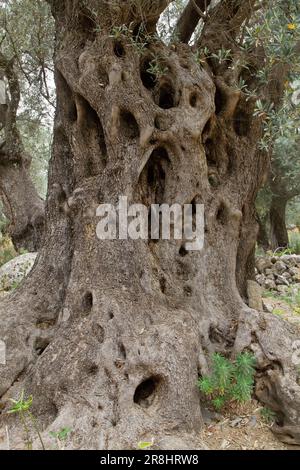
22	205
110	336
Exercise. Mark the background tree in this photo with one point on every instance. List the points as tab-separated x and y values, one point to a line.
122	329
26	70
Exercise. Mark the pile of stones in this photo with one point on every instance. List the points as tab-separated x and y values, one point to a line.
277	273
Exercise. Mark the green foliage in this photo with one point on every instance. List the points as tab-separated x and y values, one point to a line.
294	243
22	407
7	251
229	380
156	68
145	445
61	436
267	415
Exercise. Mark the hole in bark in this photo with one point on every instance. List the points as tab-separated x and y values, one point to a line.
119	49
40	345
145	393
87	302
194	99
222	214
128	125
149	79
187	291
166	96
93	369
111	315
241	123
182	251
122	351
215	335
163	284
210	153
220	100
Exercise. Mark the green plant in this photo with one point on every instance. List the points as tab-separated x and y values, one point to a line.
294	243
156	68
267	415
60	436
22	408
145	445
229	380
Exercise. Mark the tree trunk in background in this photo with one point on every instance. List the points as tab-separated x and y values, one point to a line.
110	336
22	205
262	237
278	231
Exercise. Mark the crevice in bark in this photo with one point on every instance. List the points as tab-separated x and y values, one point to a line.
40	345
153	177
87	25
87	303
166	96
119	49
222	214
241	123
68	100
220	100
92	133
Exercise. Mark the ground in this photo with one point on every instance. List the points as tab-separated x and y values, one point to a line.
241	428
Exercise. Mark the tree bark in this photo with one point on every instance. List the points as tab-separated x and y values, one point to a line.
110	336
22	205
278	231
263	236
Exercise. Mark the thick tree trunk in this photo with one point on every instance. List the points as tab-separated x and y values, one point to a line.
263	236
110	336
278	231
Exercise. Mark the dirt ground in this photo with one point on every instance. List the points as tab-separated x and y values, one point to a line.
241	429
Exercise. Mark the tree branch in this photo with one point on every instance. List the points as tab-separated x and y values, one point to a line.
189	19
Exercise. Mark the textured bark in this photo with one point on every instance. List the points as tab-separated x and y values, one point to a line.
110	336
22	205
278	231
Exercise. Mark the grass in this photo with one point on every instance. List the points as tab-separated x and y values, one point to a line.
294	242
7	251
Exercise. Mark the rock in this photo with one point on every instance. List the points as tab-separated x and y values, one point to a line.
270	284
282	281
287	275
267	307
269	272
260	278
282	289
280	267
235	422
254	292
13	272
262	264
